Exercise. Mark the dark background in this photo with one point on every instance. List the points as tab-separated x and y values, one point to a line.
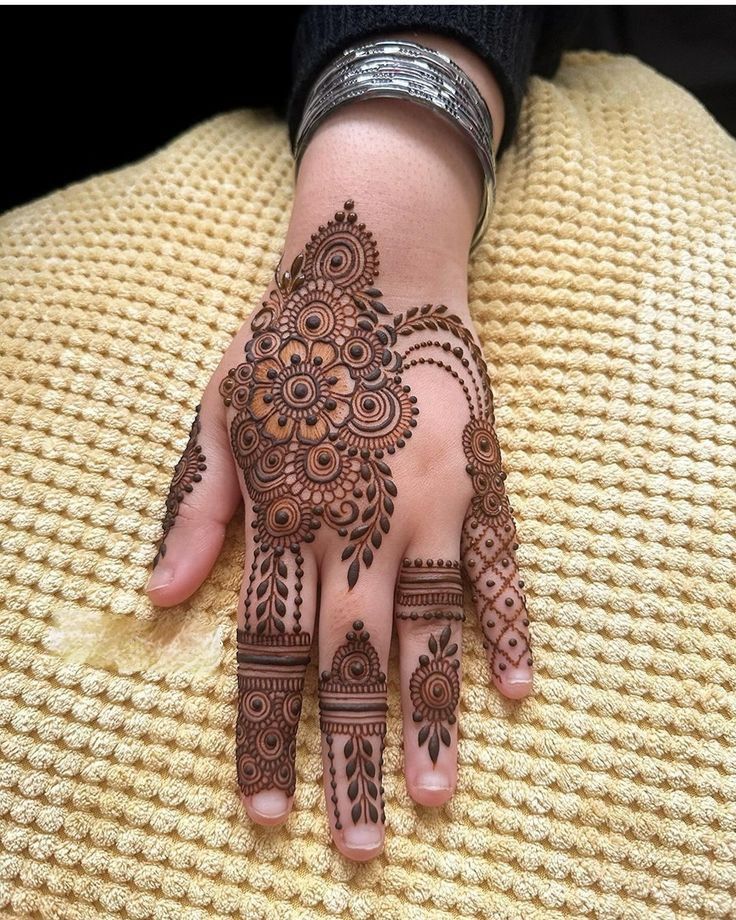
87	89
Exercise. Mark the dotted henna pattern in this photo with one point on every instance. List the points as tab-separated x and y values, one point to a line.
318	407
353	702
187	471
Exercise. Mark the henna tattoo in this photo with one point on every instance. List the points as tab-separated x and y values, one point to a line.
435	692
320	401
497	590
187	471
271	672
353	701
429	589
489	532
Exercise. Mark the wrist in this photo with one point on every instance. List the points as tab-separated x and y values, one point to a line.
415	182
415	178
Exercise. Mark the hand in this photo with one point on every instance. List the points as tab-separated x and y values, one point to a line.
359	431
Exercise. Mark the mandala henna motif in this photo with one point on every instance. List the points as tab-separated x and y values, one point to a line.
319	401
353	702
318	407
187	471
435	691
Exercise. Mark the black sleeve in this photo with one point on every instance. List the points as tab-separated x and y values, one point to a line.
513	40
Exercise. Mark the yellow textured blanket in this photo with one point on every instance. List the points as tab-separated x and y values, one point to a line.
604	295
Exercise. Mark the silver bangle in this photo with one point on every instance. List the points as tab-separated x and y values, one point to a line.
406	70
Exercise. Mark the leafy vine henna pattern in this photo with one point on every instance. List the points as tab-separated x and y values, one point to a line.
187	471
353	701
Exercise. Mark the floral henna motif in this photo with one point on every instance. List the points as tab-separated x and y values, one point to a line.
187	471
435	691
319	401
353	702
432	589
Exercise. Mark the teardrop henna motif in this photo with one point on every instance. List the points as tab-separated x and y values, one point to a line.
187	472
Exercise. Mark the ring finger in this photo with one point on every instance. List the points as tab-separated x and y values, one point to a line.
429	617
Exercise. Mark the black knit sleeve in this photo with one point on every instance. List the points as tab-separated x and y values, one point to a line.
513	40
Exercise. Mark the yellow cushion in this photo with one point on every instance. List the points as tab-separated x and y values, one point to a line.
604	295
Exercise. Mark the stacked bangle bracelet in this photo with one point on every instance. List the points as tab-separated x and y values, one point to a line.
406	70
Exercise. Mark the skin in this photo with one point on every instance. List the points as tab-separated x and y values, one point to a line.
416	184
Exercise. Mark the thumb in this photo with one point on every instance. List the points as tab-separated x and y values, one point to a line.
203	496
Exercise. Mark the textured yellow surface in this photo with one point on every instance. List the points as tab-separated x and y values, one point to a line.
605	298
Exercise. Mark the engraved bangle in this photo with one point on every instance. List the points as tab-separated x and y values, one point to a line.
406	70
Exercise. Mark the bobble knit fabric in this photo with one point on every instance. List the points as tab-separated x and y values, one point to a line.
604	295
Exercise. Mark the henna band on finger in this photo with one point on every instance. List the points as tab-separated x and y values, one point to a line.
271	672
353	702
429	589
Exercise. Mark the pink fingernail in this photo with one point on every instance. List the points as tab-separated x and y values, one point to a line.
433	782
161	577
271	803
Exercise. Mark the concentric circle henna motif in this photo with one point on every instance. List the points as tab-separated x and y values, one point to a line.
480	444
435	692
323	474
263	345
188	470
320	310
367	351
379	417
343	252
283	522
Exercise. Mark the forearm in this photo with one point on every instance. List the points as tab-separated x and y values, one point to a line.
415	180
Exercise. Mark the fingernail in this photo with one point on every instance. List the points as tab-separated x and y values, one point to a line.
362	836
161	577
433	782
271	803
519	687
